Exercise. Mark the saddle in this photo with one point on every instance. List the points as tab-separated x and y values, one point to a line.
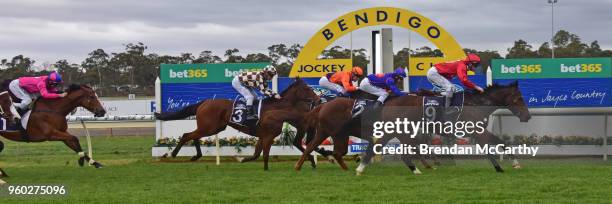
239	112
361	105
433	107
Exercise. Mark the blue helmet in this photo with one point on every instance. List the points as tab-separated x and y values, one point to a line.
400	72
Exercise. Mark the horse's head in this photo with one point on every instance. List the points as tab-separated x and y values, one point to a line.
300	92
86	98
509	96
7	110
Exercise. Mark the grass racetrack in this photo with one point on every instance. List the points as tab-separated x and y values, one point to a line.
131	175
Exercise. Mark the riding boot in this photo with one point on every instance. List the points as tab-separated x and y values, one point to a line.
250	113
448	109
377	105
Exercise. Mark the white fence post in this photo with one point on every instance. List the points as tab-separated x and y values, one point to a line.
158	123
489	76
605	139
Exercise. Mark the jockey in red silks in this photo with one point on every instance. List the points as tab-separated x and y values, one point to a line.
29	88
441	74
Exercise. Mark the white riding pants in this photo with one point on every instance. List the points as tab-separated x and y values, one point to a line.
247	93
367	87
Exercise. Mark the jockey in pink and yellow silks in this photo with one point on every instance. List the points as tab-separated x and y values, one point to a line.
29	88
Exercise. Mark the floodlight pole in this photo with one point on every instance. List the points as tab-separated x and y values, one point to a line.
552	26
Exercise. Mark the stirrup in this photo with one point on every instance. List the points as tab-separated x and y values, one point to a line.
451	110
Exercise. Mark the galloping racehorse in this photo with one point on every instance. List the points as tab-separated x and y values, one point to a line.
213	116
8	113
7	110
476	107
47	121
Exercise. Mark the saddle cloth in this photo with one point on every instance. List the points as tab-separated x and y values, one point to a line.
239	112
433	107
5	126
360	105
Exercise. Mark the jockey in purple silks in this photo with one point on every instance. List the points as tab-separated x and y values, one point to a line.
380	84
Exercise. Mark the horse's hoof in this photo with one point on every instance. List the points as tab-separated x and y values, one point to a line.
81	161
239	159
417	171
3	174
194	158
516	166
331	159
98	165
2	183
499	170
297	168
165	155
358	173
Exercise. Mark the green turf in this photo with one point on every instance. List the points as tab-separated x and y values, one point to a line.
132	176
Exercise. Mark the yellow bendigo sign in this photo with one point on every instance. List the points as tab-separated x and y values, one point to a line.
308	65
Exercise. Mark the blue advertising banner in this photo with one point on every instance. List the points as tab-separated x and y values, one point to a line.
565	92
559	82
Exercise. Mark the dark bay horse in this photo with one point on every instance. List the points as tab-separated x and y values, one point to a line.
8	113
47	121
213	116
7	110
494	97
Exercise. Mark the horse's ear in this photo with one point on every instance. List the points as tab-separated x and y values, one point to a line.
514	83
74	87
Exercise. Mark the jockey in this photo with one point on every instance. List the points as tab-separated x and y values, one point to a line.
29	88
246	82
341	81
378	84
440	74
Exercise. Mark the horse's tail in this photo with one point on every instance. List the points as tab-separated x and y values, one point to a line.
181	114
5	85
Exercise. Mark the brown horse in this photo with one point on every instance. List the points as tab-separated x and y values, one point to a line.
494	97
213	116
8	113
7	110
302	121
48	120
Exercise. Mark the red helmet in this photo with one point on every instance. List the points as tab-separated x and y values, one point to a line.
472	58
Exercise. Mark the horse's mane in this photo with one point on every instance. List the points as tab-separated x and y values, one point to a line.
75	87
497	86
298	82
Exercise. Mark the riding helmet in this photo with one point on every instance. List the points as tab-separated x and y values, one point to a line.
400	72
357	71
54	78
270	70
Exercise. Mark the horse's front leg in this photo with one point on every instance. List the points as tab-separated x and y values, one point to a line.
73	143
258	148
483	139
497	140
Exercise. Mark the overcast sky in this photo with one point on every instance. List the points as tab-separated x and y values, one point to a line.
49	30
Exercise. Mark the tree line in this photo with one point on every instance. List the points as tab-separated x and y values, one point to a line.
134	70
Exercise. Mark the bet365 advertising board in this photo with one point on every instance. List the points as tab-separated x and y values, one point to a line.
185	84
559	82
